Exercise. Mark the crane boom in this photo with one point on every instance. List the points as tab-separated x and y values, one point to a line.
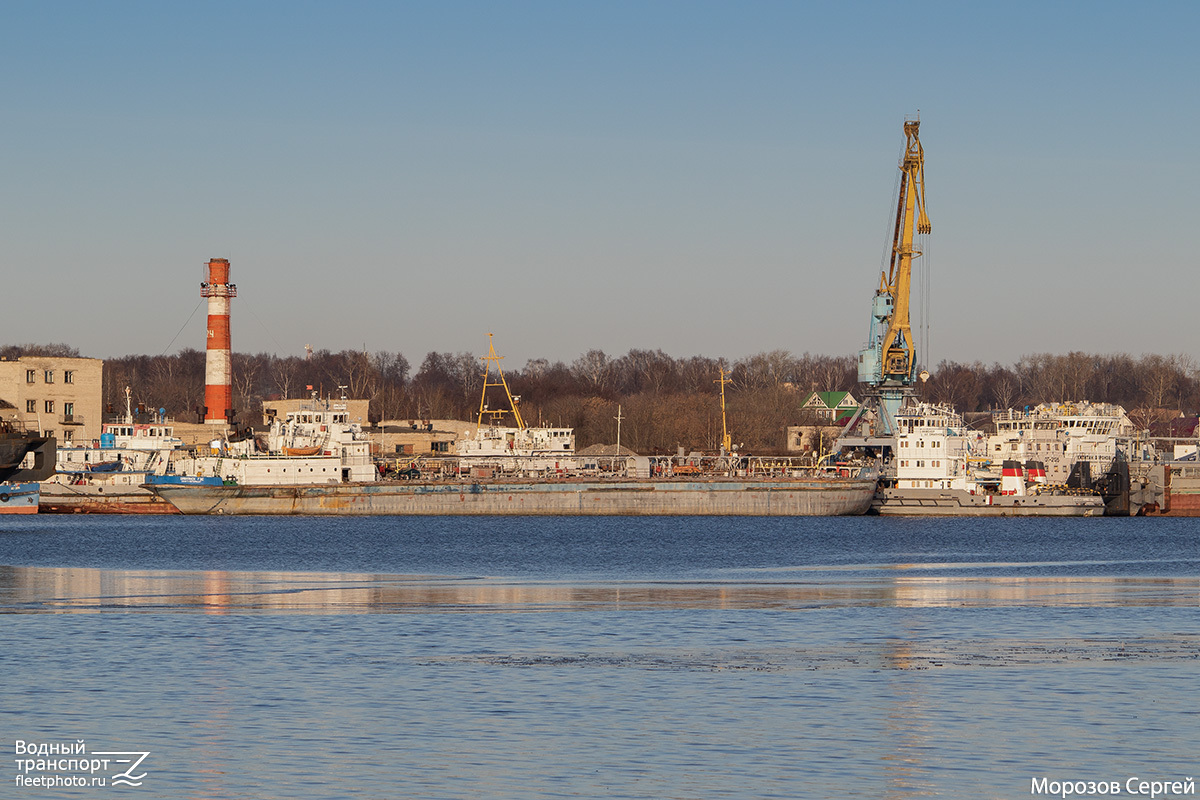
898	348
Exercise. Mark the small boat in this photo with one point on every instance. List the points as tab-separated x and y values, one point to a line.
301	451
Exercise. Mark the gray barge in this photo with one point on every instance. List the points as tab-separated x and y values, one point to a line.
784	497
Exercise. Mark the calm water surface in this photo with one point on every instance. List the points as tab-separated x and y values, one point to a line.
603	657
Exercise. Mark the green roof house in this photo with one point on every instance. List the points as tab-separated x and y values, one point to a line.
837	407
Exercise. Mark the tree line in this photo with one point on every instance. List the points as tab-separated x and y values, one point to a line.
665	402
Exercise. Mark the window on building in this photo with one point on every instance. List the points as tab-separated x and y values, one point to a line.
68	410
49	406
31	406
47	433
68	376
68	436
49	376
30	375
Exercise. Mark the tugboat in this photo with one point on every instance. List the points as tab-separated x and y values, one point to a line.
1086	446
942	468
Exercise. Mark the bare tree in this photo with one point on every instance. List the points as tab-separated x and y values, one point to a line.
594	369
1005	387
285	371
245	371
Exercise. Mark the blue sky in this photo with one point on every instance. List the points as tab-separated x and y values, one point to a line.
704	178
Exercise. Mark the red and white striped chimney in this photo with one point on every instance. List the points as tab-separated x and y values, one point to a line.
218	372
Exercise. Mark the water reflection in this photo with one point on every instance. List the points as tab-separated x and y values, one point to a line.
894	694
83	590
907	728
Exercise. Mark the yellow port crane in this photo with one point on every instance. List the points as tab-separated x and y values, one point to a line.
888	364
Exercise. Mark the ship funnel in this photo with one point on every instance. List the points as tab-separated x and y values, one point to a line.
1012	479
218	370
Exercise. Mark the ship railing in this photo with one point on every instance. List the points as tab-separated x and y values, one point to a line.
454	468
12	425
780	465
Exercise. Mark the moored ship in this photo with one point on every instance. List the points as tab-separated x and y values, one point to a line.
108	477
1175	488
941	468
313	445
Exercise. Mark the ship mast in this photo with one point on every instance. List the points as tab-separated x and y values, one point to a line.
487	382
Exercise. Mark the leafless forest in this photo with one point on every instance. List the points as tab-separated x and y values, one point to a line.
665	401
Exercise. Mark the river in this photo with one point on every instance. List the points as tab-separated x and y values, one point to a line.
599	657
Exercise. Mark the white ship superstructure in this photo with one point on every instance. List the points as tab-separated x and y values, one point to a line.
122	447
314	445
493	441
934	450
941	467
1024	437
520	448
107	477
1063	435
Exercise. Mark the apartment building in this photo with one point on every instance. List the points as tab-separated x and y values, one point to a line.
60	397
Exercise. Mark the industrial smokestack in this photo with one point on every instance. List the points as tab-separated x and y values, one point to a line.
218	371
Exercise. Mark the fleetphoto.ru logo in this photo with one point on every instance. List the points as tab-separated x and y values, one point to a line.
50	765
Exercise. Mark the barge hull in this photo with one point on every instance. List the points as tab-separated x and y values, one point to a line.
956	503
66	499
811	497
1176	489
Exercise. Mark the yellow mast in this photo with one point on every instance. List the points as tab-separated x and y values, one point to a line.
487	371
726	442
899	351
